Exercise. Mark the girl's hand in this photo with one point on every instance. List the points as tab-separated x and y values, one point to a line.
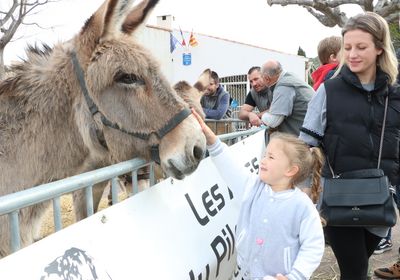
210	136
281	277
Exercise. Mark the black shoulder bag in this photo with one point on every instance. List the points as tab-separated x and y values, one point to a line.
360	198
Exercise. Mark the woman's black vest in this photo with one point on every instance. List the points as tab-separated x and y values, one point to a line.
354	123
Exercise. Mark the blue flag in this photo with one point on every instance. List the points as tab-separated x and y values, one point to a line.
172	42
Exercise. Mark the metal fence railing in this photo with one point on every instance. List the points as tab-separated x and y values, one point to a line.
11	204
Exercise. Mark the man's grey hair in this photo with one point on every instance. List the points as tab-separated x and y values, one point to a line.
272	71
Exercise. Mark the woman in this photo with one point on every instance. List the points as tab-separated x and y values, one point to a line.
345	117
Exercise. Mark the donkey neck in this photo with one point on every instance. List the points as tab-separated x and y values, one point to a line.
40	103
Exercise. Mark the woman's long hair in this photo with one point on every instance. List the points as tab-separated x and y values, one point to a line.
377	26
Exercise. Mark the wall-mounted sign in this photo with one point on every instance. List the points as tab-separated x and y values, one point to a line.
187	59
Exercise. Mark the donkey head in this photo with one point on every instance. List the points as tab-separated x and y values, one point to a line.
135	108
193	94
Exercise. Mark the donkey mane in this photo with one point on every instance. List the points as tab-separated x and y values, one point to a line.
36	55
26	95
41	50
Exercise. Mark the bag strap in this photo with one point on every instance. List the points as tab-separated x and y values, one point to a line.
380	142
383	131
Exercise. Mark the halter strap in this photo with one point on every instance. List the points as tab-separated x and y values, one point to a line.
171	124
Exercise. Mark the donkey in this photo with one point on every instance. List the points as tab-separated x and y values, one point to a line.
92	101
193	94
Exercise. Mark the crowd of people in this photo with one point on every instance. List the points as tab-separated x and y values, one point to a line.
340	119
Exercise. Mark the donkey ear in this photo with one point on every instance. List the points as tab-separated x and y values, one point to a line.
204	80
121	16
138	15
113	18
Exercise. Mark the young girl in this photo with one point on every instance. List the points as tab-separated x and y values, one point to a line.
279	233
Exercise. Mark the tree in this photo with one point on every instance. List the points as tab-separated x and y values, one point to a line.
301	52
329	14
395	35
11	19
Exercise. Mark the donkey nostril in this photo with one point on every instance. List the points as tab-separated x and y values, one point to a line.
198	153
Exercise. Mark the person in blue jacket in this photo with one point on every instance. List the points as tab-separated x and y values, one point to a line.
215	101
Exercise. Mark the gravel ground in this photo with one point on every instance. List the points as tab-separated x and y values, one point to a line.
329	270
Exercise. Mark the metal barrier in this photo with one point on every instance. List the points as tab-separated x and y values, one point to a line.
11	204
238	86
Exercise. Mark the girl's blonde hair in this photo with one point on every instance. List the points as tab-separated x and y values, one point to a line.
377	26
309	161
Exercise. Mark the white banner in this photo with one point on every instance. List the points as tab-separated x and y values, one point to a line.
174	230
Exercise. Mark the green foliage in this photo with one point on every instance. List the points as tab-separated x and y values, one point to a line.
301	52
395	34
311	66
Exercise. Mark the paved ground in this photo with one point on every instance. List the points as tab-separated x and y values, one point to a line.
328	270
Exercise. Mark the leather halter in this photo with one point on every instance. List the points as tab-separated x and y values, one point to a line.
154	150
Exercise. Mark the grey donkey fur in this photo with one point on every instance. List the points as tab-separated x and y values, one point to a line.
47	131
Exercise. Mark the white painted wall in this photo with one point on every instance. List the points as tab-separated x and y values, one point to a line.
223	56
156	40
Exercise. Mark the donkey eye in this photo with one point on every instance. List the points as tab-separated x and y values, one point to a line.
126	78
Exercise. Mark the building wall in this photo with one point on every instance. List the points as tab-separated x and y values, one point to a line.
225	57
156	40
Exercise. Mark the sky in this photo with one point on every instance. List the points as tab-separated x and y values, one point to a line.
249	21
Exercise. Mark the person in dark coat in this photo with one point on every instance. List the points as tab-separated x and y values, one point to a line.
345	117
